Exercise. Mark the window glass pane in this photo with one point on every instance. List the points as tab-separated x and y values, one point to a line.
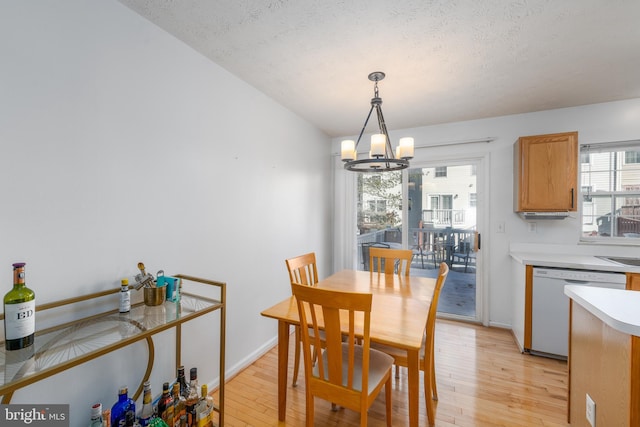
597	222
627	218
610	189
379	204
632	157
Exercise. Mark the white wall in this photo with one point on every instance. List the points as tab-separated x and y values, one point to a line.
615	121
119	144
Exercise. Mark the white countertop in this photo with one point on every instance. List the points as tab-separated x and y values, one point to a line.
580	262
617	308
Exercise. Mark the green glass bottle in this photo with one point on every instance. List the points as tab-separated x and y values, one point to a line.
19	312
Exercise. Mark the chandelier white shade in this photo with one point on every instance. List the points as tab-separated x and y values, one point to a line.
381	156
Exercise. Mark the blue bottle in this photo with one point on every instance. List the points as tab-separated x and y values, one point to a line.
122	406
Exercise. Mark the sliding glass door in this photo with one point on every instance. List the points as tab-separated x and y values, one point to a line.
432	210
442	227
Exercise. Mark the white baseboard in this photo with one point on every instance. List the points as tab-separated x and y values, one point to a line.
500	325
231	372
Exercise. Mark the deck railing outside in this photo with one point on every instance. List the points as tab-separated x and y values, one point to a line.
443	241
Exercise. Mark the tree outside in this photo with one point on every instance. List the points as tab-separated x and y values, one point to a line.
379	201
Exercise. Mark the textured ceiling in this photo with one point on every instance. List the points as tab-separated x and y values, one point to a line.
445	60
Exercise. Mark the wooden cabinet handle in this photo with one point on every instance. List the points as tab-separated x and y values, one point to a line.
572	198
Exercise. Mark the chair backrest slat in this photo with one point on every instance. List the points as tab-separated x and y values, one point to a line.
394	260
303	269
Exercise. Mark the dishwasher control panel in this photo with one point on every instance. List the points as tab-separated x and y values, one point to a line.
581	275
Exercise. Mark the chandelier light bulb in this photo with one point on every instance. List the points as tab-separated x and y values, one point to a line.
406	148
348	150
378	142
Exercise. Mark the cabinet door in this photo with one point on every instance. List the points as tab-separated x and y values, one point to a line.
546	172
633	281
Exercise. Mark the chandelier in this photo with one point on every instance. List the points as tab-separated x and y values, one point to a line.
381	156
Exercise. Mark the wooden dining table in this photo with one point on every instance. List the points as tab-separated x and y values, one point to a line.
398	318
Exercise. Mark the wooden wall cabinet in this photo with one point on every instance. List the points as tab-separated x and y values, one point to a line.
633	281
546	173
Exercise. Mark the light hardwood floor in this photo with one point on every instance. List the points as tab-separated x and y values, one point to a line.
483	380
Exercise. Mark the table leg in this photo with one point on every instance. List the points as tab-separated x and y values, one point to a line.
414	386
283	367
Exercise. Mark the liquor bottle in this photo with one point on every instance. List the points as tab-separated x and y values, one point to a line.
182	380
147	405
165	405
179	405
96	416
106	417
193	398
158	422
122	406
19	312
130	419
204	408
125	296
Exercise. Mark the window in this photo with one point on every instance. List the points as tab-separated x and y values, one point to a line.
632	157
610	191
377	206
441	172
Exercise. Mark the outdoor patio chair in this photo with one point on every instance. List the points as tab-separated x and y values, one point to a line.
465	254
365	252
422	249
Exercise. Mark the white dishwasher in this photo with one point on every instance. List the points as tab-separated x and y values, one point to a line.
550	306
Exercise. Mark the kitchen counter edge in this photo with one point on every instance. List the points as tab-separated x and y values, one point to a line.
578	262
617	308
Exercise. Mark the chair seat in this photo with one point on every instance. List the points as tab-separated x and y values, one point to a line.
399	354
379	364
322	335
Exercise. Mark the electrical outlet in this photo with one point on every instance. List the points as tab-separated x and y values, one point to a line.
532	227
591	411
500	228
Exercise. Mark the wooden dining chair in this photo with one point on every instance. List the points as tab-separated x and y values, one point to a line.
427	359
347	373
303	271
395	260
